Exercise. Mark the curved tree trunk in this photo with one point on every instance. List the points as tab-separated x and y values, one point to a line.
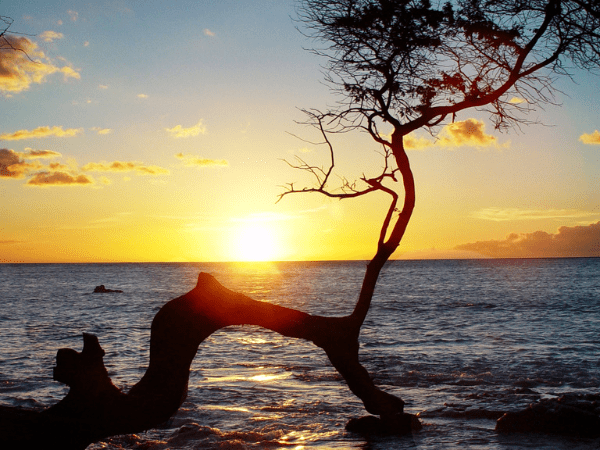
94	408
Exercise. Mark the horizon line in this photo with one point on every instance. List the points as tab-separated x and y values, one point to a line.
302	261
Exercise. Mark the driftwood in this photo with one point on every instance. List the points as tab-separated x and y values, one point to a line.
95	408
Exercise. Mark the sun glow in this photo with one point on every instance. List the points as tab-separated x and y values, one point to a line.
255	243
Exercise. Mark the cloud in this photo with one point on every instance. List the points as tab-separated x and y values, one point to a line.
58	179
69	72
516	100
102	130
179	132
506	214
592	139
102	86
14	165
198	161
26	65
41	132
120	166
11	164
142	96
50	36
577	241
39	154
59	166
470	132
417	143
207	32
74	15
26	164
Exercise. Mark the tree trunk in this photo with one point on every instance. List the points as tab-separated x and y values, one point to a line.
94	408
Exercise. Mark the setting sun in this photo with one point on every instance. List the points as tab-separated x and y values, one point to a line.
255	243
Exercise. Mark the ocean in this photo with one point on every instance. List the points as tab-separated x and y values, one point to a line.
458	341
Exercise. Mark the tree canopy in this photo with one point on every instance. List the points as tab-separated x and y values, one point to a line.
413	64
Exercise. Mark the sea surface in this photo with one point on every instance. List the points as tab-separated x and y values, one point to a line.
459	341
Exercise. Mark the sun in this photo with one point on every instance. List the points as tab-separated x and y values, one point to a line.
255	243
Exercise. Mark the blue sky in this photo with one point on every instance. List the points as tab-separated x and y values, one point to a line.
125	76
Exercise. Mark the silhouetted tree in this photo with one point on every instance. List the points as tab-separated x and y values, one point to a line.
399	66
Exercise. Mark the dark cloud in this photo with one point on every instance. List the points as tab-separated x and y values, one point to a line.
58	179
12	164
574	241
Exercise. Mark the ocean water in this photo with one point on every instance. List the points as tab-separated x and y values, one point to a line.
459	341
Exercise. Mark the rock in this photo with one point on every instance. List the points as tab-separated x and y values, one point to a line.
568	415
102	290
398	424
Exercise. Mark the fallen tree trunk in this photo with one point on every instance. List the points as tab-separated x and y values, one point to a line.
95	408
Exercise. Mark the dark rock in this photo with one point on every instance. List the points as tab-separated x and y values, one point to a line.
568	415
102	290
397	424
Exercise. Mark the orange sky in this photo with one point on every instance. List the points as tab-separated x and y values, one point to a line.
157	132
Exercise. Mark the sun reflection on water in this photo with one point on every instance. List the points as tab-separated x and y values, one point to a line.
257	378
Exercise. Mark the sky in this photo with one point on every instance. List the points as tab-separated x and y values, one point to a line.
159	131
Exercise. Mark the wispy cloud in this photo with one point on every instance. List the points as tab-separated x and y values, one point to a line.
417	143
69	72
470	132
207	32
102	130
20	69
50	36
42	179
30	153
514	214
73	15
122	166
270	216
264	217
198	161
577	241
41	132
591	139
179	132
142	95
108	221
